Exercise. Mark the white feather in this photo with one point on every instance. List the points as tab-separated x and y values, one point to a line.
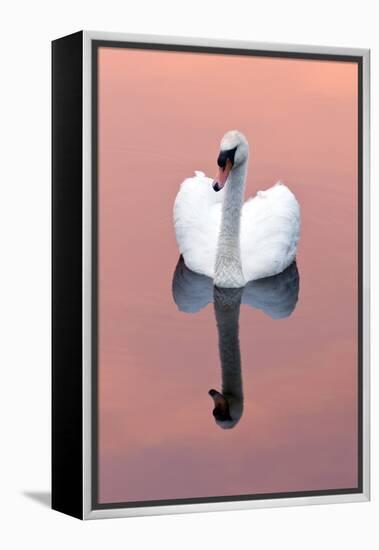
270	228
197	218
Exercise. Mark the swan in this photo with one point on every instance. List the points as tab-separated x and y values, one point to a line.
276	296
230	241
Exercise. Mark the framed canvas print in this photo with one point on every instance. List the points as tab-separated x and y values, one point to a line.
210	275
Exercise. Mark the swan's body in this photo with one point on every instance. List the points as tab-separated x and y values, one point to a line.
226	239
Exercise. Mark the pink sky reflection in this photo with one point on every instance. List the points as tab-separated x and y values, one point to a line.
161	116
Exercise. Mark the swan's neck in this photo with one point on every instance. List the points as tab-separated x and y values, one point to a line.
228	268
227	309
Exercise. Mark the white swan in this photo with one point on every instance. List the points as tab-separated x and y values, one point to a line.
229	241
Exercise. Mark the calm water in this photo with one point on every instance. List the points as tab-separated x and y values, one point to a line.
283	352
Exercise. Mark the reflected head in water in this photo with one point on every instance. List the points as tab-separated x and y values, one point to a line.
276	296
221	410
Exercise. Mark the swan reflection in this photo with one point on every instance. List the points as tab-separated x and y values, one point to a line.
276	296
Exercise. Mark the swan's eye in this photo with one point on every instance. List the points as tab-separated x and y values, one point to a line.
226	155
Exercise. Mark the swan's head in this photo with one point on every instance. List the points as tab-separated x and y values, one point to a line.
226	412
234	151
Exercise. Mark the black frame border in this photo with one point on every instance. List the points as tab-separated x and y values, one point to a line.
358	59
67	292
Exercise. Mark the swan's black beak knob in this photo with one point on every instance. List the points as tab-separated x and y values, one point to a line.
216	186
225	155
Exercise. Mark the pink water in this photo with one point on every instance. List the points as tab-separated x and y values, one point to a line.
161	116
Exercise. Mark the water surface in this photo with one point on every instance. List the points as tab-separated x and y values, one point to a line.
161	116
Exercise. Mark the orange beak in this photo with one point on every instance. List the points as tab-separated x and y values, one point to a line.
222	176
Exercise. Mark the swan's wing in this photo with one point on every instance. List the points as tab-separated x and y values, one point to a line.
191	291
197	218
276	296
270	229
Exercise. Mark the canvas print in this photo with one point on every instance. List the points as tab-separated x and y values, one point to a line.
227	191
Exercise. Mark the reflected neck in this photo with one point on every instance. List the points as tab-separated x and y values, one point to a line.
227	309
